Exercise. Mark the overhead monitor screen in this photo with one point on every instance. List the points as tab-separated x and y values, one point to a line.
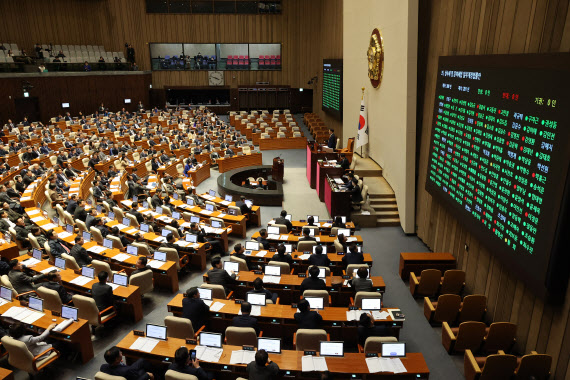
332	87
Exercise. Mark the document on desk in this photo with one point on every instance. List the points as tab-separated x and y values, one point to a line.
113	286
261	253
186	225
97	249
304	256
37	218
80	280
208	302
183	243
63	235
338	181
144	344
284	237
132	231
209	354
121	226
30	262
242	357
206	212
326	225
217	306
225	203
160	239
121	257
155	264
394	365
351	239
31	317
271	279
255	311
273	237
165	219
63	325
354	315
33	212
127	202
313	363
49	226
3	301
47	270
380	314
221	215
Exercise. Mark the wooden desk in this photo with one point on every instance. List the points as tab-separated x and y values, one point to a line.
313	155
322	171
237	223
337	202
201	174
6	374
283	143
289	361
254	217
8	251
227	164
294	239
324	227
78	334
418	261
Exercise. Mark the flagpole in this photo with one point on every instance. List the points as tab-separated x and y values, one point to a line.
361	99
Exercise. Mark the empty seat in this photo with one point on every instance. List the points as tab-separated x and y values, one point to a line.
500	336
444	310
309	339
534	366
453	282
473	308
427	284
468	336
493	367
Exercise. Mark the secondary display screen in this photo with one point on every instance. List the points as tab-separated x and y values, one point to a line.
499	154
332	87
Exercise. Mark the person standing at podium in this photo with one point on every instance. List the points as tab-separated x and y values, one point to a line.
332	139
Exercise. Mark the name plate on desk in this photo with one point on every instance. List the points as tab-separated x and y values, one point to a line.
294	305
239	301
248	348
191	341
258	272
346	277
138	333
311	353
340	253
302	275
371	355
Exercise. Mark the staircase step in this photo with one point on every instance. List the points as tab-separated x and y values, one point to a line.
381	195
387	214
393	222
383	201
386	207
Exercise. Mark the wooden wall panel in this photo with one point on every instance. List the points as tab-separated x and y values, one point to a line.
308	31
466	27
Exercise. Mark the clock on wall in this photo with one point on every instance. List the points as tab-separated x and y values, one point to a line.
375	55
216	78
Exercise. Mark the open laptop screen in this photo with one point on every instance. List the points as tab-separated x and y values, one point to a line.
270	345
156	331
331	349
211	339
394	350
256	298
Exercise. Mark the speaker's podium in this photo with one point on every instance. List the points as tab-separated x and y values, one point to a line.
278	168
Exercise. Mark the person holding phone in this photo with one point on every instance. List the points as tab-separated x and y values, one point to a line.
186	362
262	368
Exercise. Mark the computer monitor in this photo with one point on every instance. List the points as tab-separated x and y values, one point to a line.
69	312
209	207
175	195
343	219
344	231
160	256
99	209
216	224
228	198
37	254
311	231
272	270
175	215
270	345
166	232
6	293
155	331
252	245
36	303
315	218
120	279
60	263
211	339
205	294
354	273
135	198
88	272
108	243
273	230
288	248
194	219
231	266
331	348
315	302
190	201
126	221
256	298
324	249
212	193
158	210
233	212
322	273
144	227
111	215
55	220
249	202
145	204
86	236
132	250
371	303
394	350
191	238
69	228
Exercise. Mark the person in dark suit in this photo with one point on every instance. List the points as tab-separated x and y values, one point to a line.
135	213
281	256
239	252
21	281
141	265
156	200
313	282
306	318
282	220
184	364
355	193
170	244
318	258
79	253
262	368
262	238
245	210
195	309
352	256
54	245
344	164
80	212
360	282
54	283
22	233
218	275
332	139
103	293
139	370
72	204
307	235
245	319
258	288
338	222
367	329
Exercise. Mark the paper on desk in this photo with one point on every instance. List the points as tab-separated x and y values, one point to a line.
208	302
185	225
317	238
49	226
217	306
338	181
304	256
121	226
273	237
121	257
80	280
183	243
3	301
47	270
255	311
354	315
242	357
96	249
221	215
159	239
373	365
132	231
127	202
351	239
37	218
209	354
63	235
271	279
284	237
225	203
326	225
155	264
165	219
144	344
394	365
397	365
261	253
30	262
32	317
206	212
313	363
33	212
380	314
112	285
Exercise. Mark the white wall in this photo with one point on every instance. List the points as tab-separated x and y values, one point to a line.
392	106
205	49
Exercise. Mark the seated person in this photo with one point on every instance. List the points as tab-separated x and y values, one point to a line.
352	256
258	288
54	283
218	275
313	282
239	253
318	258
79	253
102	293
194	309
338	222
139	370
311	221
360	282
366	329
184	364
262	238
284	221
307	235
36	344
282	256
21	281
262	368
307	318
141	265
245	319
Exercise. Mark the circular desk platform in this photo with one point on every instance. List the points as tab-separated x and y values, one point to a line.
228	184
